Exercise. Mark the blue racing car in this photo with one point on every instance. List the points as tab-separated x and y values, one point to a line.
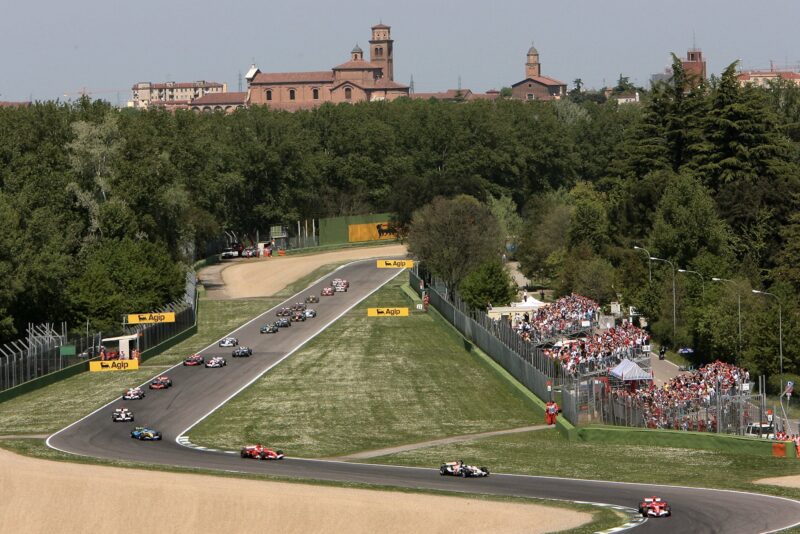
145	434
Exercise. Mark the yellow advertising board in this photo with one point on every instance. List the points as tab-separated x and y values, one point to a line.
395	264
370	232
154	317
387	312
114	365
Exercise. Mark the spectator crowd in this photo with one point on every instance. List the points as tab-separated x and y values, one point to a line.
565	315
683	402
600	352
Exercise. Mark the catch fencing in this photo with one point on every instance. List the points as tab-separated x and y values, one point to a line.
47	350
501	344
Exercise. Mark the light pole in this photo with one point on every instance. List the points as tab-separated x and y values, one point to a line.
702	281
649	270
674	314
739	307
780	330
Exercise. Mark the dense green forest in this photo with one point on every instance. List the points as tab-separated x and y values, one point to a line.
101	209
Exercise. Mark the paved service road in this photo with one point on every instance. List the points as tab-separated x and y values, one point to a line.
197	391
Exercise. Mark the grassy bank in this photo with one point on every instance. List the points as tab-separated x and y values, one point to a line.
367	383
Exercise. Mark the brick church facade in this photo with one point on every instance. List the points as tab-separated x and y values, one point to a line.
535	86
356	80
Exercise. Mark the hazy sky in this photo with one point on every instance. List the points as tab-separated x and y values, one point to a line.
48	48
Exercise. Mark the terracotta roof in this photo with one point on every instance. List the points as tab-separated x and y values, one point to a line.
357	65
450	94
14	104
221	99
323	76
371	85
381	26
783	74
543	80
180	85
383	83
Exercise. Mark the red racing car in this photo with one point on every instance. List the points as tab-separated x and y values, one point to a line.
161	382
327	291
260	452
654	507
193	360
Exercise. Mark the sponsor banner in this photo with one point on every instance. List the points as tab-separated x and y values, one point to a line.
155	317
370	232
395	264
387	312
114	365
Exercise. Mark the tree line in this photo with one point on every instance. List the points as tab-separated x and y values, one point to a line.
102	208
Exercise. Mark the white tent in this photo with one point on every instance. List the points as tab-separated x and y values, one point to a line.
628	370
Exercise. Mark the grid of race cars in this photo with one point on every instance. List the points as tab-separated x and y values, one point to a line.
649	507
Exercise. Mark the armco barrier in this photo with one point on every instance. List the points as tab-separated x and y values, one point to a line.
519	368
683	440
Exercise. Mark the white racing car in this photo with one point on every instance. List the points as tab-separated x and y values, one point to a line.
228	342
121	415
133	394
460	469
216	361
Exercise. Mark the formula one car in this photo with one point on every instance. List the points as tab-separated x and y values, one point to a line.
283	322
120	415
340	288
261	453
460	469
283	312
217	361
327	292
340	281
160	382
311	299
242	352
133	394
269	328
654	507
310	314
229	342
193	360
298	316
145	434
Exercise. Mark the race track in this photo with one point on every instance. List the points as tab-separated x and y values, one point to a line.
197	391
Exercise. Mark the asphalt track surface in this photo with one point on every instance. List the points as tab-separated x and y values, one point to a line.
198	391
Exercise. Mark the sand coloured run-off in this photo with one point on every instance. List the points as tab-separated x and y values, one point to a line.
791	481
263	277
42	496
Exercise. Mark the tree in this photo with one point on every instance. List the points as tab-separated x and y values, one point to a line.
488	284
589	219
504	210
454	236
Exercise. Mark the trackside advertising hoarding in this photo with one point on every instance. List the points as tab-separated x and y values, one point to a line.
387	312
395	264
156	317
114	365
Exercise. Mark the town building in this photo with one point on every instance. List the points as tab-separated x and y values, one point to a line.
356	80
694	66
227	102
535	86
458	95
172	95
762	78
7	104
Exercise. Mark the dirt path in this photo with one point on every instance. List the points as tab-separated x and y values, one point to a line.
444	441
41	496
791	481
263	277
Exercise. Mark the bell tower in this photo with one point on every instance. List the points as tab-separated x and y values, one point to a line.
533	67
381	50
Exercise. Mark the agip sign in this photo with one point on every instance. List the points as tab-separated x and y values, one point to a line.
149	318
114	365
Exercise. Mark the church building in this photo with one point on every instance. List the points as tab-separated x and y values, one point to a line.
535	86
356	80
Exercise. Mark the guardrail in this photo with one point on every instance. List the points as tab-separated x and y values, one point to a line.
486	338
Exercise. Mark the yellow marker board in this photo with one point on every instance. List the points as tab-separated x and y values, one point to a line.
387	312
156	317
114	365
395	264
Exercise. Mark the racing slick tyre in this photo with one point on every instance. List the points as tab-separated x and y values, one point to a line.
485	471
463	473
244	454
442	471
